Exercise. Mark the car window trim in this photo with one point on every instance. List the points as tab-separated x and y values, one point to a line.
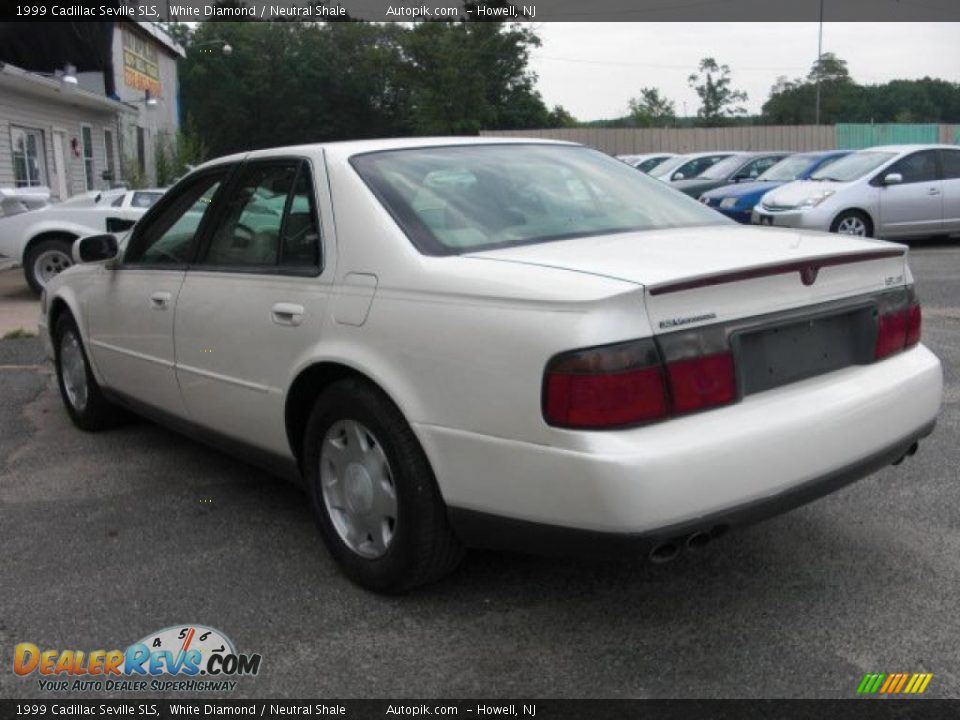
203	249
228	170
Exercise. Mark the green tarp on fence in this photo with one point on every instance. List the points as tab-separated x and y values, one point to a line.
860	135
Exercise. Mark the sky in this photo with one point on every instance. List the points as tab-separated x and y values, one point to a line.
593	69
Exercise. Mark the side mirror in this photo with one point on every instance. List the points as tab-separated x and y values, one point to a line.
96	248
892	179
677	176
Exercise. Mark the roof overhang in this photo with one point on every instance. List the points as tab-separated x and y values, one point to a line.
158	34
57	91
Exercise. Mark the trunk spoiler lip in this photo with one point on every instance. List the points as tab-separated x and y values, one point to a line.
807	268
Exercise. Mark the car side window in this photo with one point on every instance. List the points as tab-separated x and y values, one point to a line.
919	167
248	233
144	199
300	244
951	164
169	237
269	220
758	167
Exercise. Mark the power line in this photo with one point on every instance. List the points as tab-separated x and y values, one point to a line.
655	66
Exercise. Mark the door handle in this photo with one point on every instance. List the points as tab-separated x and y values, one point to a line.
287	313
160	300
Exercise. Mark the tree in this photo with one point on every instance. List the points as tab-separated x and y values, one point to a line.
291	82
843	100
651	109
830	69
718	100
468	76
560	118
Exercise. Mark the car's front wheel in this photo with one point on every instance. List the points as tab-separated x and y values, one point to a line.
374	493
82	397
852	222
47	259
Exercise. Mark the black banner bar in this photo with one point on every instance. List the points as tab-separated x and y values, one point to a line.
204	709
544	11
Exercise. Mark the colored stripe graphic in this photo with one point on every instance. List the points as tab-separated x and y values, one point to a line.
894	683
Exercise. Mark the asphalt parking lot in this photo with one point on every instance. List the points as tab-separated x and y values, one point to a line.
106	538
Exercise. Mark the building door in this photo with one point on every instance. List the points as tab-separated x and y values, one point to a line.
59	165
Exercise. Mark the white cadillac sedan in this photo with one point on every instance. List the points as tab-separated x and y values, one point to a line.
476	342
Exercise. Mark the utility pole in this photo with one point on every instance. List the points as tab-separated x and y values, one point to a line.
819	54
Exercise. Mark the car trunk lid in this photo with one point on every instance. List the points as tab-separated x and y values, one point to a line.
710	274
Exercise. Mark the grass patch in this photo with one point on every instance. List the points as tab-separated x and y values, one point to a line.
19	334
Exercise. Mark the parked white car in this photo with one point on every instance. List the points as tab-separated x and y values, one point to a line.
41	239
498	343
893	191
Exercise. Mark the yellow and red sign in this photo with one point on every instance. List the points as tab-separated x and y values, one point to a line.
141	66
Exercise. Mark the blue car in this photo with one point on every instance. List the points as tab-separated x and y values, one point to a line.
736	201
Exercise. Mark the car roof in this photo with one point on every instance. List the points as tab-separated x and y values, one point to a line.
346	148
906	148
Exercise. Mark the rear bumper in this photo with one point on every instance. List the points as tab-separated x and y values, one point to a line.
478	529
651	480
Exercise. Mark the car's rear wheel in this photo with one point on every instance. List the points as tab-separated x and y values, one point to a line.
87	407
374	494
852	222
47	259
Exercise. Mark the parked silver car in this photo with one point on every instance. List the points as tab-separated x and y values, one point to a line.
891	191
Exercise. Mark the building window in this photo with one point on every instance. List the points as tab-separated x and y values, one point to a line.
86	135
108	149
29	162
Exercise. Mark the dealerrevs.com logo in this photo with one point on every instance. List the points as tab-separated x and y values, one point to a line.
191	658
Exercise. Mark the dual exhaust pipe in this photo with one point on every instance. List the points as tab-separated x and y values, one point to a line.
670	550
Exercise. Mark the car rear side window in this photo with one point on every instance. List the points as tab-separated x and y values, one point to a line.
951	164
269	221
169	237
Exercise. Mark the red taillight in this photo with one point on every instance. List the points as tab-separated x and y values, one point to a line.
605	400
914	323
898	330
701	382
605	387
627	384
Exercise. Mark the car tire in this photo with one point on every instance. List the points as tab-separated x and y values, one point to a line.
852	222
363	462
85	403
45	259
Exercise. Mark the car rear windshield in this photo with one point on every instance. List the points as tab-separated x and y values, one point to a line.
458	199
852	166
